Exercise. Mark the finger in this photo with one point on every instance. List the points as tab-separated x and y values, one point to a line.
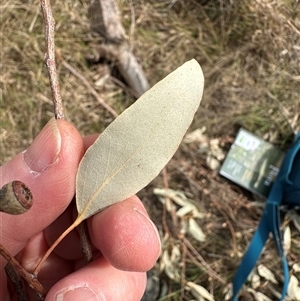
54	268
89	140
126	236
99	281
48	167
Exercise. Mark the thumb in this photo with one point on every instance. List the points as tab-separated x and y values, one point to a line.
48	167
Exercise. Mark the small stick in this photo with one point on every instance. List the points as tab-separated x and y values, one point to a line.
209	271
17	281
85	242
50	59
90	88
30	278
58	111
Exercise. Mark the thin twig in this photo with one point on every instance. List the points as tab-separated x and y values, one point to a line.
86	245
50	59
17	281
90	88
210	271
28	277
293	27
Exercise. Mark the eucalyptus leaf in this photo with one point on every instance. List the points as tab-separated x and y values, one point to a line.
200	292
136	146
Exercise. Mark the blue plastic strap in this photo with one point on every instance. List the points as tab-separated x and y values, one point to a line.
274	222
251	256
285	190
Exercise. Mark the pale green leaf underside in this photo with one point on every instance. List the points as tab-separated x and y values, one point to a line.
135	147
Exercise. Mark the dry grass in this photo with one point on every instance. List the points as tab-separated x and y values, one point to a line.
250	54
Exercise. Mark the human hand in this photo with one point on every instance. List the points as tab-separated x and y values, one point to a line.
126	239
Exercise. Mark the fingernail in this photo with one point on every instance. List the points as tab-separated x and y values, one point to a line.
77	294
45	148
150	222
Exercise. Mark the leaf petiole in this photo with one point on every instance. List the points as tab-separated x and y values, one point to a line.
54	245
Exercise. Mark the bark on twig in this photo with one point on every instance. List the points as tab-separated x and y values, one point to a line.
58	108
106	21
85	242
49	24
28	277
17	281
